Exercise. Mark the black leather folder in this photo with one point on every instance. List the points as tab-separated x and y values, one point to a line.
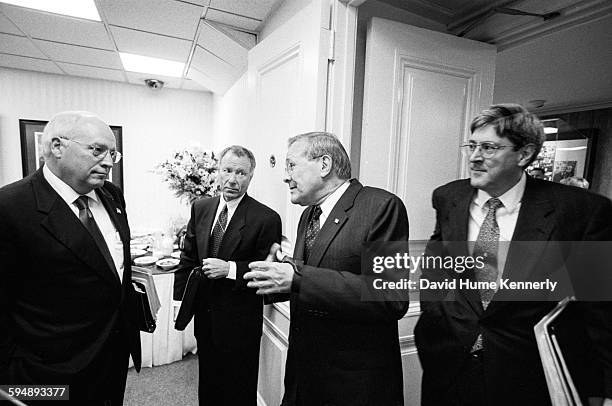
188	305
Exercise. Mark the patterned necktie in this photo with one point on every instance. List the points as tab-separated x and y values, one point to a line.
217	234
86	217
487	246
311	231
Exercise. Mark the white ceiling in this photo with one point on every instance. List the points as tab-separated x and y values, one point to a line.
566	60
212	37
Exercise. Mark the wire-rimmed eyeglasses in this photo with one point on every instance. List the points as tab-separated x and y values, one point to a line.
100	152
487	149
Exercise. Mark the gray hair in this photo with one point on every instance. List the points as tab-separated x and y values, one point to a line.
514	122
62	125
324	143
239	151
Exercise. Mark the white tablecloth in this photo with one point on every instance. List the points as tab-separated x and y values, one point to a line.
166	344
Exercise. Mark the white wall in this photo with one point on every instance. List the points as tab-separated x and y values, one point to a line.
231	116
154	124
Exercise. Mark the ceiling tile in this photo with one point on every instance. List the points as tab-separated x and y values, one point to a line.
233	20
139	78
80	55
222	46
250	8
189	84
167	17
157	46
212	66
7	26
92	72
245	39
21	62
58	28
214	84
11	44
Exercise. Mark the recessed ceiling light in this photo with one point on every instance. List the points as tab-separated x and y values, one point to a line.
154	66
74	8
550	130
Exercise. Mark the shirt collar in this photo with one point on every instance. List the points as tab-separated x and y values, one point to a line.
232	204
331	200
510	199
67	193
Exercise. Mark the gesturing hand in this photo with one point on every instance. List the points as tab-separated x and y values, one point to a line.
270	277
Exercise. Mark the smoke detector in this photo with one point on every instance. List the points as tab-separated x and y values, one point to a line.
154	84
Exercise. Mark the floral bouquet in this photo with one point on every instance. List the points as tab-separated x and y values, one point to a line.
191	174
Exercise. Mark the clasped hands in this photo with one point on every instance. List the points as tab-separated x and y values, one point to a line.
270	276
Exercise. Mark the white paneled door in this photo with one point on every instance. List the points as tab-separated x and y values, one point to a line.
421	90
287	91
287	79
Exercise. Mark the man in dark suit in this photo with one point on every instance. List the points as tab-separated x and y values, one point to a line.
224	234
343	350
477	346
67	305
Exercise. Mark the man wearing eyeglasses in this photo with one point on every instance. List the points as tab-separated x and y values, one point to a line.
67	305
477	345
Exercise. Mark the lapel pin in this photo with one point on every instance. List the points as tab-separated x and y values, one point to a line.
336	221
118	210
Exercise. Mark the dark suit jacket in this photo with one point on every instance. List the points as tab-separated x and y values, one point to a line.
235	310
59	299
343	350
451	320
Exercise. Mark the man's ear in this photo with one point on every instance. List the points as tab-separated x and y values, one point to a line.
55	147
526	152
326	165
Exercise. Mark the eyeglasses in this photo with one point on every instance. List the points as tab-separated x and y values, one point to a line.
290	166
100	152
487	149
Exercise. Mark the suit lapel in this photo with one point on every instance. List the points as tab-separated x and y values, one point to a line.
336	219
204	229
119	220
298	249
459	217
233	235
63	225
533	224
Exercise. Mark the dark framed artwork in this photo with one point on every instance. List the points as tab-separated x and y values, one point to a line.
31	131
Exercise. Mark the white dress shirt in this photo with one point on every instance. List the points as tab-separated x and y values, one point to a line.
331	200
106	226
506	217
231	209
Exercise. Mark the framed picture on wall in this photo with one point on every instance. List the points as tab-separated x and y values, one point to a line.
31	131
567	154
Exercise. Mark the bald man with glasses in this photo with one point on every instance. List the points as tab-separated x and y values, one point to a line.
67	305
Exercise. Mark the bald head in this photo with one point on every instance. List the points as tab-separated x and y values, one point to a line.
71	141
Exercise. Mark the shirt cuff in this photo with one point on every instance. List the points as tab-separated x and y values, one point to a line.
231	274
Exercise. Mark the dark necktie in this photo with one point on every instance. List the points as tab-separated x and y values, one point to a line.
217	234
487	246
86	217
311	231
